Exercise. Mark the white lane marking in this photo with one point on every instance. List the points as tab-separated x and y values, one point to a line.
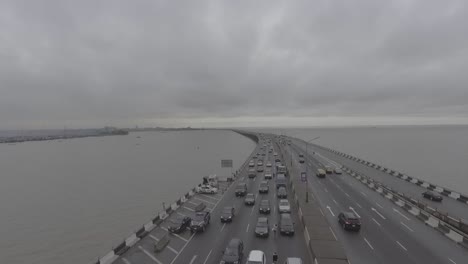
180	214
211	197
373	219
333	233
359	205
335	201
126	261
364	194
347	194
274	209
256	196
193	259
149	255
329	209
430	208
190	209
205	201
190	202
247	230
172	249
407	226
452	261
379	205
377	212
251	211
183	239
206	260
369	244
163	228
397	211
401	246
222	227
321	211
352	209
153	237
326	190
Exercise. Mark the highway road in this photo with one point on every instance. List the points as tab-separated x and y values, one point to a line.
388	234
451	206
207	247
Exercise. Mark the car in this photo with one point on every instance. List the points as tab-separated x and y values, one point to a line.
264	207
270	151
263	154
207	189
200	221
290	260
254	157
432	196
328	170
275	154
301	160
281	181
241	189
268	164
227	214
283	206
268	176
263	187
262	229
277	160
338	171
260	163
282	193
234	252
178	224
251	164
252	173
256	257
320	173
349	221
259	169
286	225
249	199
301	155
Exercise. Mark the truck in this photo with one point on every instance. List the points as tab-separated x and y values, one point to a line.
281	169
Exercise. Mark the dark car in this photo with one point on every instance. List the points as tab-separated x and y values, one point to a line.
249	199
262	229
432	196
328	170
234	252
227	214
301	155
200	221
282	193
259	168
286	225
263	188
179	224
252	173
301	160
264	207
349	221
241	189
277	160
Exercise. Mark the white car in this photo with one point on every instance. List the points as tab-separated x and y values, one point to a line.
268	164
207	189
284	207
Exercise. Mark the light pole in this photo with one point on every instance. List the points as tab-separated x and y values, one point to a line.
307	167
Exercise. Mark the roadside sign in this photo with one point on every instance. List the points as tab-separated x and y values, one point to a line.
303	177
226	163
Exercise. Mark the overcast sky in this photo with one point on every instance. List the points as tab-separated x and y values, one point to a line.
232	63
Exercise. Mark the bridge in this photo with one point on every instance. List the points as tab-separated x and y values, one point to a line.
397	227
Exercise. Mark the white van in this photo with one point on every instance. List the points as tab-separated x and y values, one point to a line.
256	257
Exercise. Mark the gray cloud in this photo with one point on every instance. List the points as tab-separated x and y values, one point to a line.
87	63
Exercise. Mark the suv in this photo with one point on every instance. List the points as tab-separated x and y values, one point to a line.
329	170
241	189
200	221
321	173
263	188
256	257
268	176
282	193
264	207
227	214
233	252
349	221
286	225
432	196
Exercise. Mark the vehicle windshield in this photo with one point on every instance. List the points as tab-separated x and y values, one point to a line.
177	221
250	196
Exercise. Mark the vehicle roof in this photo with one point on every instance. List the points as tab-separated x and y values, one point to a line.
228	207
256	255
283	201
242	184
320	170
234	242
250	194
349	215
262	220
293	261
264	202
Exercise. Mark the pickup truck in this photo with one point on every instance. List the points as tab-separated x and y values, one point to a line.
200	221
